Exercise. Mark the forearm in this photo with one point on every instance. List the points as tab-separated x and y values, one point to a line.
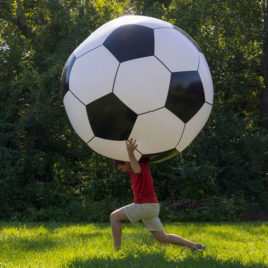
135	166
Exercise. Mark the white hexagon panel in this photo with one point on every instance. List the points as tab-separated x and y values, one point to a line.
142	84
175	50
77	114
112	149
157	131
206	78
194	126
86	77
149	22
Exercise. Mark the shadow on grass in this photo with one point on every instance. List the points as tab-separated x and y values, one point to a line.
42	242
34	245
38	244
159	261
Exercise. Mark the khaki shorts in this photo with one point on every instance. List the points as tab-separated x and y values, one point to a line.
147	212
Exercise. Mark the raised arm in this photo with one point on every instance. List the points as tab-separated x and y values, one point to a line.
131	147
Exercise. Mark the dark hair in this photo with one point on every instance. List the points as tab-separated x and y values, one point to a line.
118	162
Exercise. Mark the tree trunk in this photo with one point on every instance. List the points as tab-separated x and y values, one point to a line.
264	100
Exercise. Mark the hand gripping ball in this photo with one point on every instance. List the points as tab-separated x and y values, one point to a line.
137	77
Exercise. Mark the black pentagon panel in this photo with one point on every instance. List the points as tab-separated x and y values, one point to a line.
186	94
110	118
188	37
65	77
130	42
160	157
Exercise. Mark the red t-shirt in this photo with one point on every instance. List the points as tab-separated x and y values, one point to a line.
142	185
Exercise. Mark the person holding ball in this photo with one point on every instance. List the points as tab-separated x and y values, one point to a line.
145	206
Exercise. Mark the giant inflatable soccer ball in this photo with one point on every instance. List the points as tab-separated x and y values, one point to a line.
137	77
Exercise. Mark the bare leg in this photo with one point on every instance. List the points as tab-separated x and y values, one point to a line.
162	237
116	218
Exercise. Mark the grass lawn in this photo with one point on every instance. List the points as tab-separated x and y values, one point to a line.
90	245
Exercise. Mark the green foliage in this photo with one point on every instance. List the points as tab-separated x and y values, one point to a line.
48	173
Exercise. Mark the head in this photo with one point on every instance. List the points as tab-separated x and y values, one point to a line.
122	165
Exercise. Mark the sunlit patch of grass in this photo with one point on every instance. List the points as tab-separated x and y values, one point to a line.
91	245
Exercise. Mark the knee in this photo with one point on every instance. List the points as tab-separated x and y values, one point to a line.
113	216
118	215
